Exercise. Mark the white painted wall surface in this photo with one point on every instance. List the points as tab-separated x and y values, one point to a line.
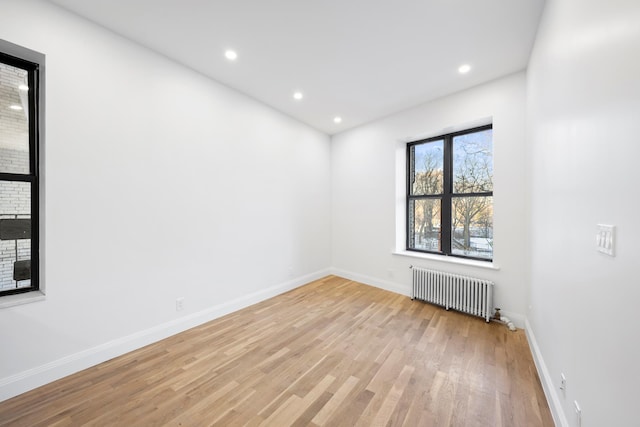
368	182
160	183
584	122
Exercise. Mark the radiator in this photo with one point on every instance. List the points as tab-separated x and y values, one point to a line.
462	293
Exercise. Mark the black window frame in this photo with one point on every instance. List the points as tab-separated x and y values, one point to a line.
13	58
447	196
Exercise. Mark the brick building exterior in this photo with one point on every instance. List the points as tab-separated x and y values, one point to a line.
15	197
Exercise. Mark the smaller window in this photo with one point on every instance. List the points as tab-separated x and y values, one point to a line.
19	172
450	194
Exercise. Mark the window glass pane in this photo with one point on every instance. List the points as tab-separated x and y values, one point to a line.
14	126
15	235
424	224
472	227
427	160
473	162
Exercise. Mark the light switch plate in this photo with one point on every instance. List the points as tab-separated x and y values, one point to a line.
605	239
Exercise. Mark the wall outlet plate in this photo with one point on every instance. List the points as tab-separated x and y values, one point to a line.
605	239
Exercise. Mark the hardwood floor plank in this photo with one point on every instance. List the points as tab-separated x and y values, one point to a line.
325	413
295	406
331	353
392	398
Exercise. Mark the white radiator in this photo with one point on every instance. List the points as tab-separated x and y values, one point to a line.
467	294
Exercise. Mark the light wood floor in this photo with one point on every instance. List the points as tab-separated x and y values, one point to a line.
333	352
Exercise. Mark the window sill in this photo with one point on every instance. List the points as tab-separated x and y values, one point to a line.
19	299
448	259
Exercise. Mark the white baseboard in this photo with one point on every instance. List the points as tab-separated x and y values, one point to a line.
28	380
368	280
550	391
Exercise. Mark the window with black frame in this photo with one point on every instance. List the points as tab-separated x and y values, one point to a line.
18	175
450	194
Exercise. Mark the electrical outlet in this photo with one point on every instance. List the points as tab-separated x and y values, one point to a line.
563	382
179	304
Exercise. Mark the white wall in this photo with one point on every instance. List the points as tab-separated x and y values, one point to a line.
368	183
160	183
583	116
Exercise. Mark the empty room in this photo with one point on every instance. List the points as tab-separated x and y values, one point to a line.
332	213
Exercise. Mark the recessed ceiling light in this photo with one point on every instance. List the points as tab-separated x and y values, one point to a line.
23	87
464	69
231	55
298	95
16	107
337	119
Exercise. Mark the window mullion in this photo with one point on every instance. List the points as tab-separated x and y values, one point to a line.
445	212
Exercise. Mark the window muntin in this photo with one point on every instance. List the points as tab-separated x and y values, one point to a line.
18	175
450	194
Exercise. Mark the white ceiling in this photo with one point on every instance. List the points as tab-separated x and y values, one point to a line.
359	59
